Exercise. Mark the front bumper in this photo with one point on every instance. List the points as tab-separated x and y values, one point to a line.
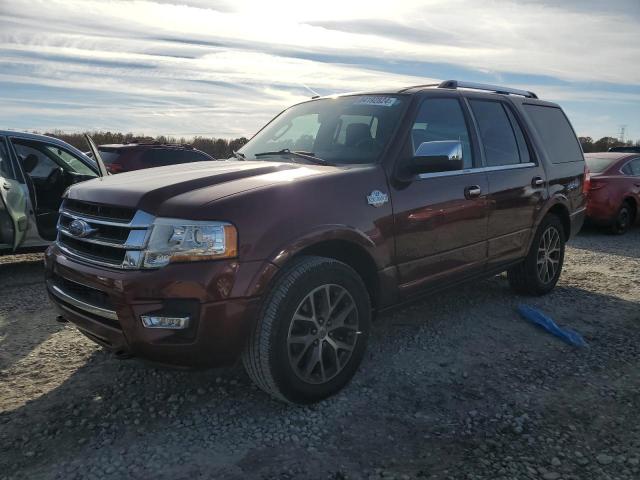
221	298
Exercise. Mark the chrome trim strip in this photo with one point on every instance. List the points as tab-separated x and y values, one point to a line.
141	239
84	258
477	170
66	232
139	221
86	307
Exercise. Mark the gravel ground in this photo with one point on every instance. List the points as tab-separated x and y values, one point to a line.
457	386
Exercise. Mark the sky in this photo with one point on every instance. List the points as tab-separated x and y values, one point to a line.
223	68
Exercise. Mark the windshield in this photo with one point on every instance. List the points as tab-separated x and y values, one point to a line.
599	164
74	164
342	130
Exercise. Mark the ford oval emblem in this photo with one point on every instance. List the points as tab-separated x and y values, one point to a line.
80	228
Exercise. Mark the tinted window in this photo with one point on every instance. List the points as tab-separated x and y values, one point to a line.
634	166
163	157
109	156
498	138
441	119
597	164
556	133
5	167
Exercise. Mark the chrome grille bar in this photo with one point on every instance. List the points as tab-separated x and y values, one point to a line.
106	243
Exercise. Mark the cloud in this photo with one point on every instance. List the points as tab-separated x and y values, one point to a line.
223	67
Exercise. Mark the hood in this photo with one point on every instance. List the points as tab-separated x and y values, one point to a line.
204	182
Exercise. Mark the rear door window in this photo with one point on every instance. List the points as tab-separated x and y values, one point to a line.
556	133
498	134
634	167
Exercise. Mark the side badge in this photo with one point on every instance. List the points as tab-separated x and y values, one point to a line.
377	198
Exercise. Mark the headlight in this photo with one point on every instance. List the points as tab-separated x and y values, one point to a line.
174	240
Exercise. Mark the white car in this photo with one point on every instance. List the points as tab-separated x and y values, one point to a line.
35	170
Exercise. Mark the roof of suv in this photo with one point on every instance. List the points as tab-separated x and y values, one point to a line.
450	85
144	145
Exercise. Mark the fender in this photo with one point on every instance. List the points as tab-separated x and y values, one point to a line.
555	199
322	234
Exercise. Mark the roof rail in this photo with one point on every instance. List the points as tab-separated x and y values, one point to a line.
483	86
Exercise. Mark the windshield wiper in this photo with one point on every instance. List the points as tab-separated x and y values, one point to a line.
239	155
296	153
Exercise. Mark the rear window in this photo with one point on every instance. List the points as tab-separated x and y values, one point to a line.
109	156
598	165
164	157
556	133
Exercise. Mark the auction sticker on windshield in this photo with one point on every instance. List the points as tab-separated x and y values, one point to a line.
376	100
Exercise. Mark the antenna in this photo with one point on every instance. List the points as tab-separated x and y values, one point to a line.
315	94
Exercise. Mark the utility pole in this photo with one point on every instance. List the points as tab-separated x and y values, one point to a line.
621	134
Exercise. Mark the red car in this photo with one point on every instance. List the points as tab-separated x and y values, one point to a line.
135	156
614	190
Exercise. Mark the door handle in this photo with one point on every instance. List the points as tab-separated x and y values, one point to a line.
537	181
6	186
472	191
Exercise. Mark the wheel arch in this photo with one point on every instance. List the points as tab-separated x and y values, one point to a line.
559	207
345	245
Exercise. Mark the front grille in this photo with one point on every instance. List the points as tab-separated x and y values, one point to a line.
96	210
103	235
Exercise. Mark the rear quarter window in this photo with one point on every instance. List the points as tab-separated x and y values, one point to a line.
554	129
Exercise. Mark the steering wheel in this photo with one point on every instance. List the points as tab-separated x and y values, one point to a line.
54	177
368	144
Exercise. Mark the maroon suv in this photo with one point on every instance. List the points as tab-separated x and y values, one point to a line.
338	208
125	157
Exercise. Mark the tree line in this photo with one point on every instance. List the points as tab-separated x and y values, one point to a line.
223	148
604	144
216	147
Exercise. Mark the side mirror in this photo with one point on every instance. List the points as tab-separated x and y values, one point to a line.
438	156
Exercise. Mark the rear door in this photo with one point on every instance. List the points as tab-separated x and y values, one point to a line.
517	183
13	202
440	217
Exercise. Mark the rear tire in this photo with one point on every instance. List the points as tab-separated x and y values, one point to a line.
623	220
312	331
541	268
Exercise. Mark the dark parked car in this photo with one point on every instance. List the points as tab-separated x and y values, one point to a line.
35	170
635	149
614	189
126	157
338	208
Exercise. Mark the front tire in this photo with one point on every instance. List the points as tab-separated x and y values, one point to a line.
541	268
312	331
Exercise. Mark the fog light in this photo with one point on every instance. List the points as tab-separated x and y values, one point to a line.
173	323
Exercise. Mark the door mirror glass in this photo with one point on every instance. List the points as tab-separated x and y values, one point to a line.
436	156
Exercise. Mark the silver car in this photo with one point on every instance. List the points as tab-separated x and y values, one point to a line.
35	170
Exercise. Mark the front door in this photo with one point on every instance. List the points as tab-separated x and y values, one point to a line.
440	217
13	203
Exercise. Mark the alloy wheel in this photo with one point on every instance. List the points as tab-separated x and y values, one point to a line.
549	251
323	334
